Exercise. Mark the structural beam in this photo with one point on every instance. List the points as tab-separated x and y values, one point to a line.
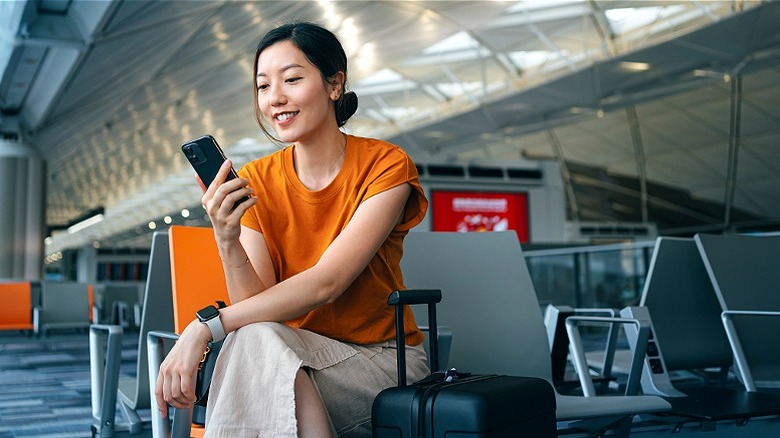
735	126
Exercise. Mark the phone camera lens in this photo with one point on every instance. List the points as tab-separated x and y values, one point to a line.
190	152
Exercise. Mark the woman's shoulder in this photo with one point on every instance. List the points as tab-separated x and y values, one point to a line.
378	148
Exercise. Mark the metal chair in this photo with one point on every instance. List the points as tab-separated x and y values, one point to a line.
491	307
105	345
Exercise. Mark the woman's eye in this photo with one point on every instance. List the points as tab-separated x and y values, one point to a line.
262	86
295	79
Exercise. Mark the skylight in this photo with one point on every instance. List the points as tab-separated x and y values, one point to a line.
381	77
457	42
383	81
625	20
453	90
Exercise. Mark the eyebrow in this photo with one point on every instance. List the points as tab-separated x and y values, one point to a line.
283	69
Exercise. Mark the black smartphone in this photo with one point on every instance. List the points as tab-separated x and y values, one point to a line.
206	157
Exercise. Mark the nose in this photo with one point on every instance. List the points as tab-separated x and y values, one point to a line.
276	95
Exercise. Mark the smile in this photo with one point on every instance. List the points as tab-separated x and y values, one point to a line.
286	116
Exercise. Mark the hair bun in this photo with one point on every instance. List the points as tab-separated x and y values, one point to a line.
346	107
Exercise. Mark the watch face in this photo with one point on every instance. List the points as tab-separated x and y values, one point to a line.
207	313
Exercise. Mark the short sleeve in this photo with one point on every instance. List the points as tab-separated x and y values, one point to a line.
398	168
417	204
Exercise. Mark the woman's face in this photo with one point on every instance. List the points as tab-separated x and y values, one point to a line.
291	94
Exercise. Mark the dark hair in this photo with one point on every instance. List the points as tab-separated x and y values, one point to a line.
323	49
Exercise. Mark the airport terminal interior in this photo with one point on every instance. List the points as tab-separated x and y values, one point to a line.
602	178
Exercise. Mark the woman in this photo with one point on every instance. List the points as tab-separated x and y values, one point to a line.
309	260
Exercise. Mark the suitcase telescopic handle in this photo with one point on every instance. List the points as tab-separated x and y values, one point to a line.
401	298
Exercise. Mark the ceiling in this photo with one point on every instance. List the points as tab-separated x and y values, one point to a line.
654	109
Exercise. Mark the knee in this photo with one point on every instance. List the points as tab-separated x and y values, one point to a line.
262	333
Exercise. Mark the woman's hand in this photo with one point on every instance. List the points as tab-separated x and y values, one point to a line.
176	380
218	200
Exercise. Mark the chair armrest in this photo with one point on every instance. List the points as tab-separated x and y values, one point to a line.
612	335
740	359
37	320
595	311
105	354
181	418
120	313
96	314
578	351
137	313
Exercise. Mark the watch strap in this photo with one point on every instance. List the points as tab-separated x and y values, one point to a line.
217	331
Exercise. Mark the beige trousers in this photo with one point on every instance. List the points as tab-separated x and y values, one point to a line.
252	393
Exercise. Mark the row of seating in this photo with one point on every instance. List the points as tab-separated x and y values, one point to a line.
118	302
18	300
39	307
42	306
489	305
711	304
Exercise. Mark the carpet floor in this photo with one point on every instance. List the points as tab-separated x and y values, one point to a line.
45	383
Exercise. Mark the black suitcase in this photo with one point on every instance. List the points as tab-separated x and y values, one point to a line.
450	404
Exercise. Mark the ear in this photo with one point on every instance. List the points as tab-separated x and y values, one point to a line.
336	85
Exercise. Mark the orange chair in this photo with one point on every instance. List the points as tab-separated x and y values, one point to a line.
91	302
197	280
17	306
196	272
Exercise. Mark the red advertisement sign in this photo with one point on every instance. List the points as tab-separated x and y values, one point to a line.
480	211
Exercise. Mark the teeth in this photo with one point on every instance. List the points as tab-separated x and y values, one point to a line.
285	116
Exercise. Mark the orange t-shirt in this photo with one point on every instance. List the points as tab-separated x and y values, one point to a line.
299	224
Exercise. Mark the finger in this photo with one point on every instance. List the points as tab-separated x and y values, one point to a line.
224	169
233	185
237	195
241	208
176	399
231	198
222	174
162	406
188	389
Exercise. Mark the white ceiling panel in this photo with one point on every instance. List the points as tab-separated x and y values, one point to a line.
471	81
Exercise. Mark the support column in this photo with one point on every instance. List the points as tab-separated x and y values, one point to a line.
86	262
22	211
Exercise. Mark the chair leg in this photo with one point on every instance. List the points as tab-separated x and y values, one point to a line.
623	427
135	423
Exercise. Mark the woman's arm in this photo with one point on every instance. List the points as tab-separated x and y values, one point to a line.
245	276
346	257
340	264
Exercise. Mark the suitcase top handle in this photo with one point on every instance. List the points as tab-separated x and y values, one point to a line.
401	298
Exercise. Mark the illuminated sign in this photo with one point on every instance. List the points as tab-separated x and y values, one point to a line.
480	211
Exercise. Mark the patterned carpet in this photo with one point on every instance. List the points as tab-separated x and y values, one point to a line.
45	384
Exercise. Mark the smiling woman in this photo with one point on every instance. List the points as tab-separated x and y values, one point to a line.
309	259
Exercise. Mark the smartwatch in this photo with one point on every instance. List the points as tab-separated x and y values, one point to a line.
210	316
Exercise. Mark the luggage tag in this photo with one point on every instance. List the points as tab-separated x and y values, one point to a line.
449	375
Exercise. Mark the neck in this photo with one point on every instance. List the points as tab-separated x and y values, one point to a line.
317	164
